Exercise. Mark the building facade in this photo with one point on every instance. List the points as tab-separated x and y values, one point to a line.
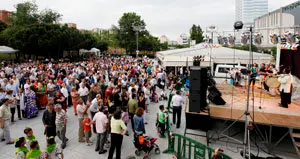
4	14
70	25
183	39
163	39
248	10
279	22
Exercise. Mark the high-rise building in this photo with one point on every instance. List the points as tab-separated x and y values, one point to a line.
4	14
248	10
163	39
183	39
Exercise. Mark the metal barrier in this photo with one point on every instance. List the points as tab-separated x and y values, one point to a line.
186	148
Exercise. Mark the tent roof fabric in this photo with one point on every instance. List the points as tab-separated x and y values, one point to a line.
7	50
219	55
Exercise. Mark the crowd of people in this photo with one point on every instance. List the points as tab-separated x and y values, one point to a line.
106	95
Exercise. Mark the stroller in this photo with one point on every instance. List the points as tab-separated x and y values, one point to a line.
154	97
163	96
146	144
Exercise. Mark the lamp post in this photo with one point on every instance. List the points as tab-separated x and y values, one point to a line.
137	29
211	29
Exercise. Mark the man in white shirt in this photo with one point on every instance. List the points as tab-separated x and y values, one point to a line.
94	108
11	86
177	102
27	85
83	92
101	125
285	88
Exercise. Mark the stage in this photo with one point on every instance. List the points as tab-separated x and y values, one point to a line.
269	114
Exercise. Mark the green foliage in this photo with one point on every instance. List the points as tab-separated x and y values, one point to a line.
164	46
3	26
38	34
49	16
196	33
126	34
26	14
178	46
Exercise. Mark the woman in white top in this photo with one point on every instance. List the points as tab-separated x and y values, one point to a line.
118	129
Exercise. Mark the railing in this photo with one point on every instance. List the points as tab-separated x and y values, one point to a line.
186	148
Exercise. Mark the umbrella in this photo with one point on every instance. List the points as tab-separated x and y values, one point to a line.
7	50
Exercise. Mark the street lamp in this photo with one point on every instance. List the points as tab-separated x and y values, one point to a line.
137	28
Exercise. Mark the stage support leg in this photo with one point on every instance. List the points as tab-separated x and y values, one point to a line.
269	144
279	141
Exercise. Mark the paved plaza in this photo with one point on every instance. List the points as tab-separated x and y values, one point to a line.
76	150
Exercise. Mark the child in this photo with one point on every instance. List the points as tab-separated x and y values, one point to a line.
87	128
125	117
53	152
21	150
162	118
29	136
35	152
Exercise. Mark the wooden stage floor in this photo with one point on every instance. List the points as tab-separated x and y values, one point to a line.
269	114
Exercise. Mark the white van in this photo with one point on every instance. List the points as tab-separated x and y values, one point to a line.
223	70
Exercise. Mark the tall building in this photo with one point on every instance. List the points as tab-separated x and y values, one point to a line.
183	39
4	14
163	39
248	10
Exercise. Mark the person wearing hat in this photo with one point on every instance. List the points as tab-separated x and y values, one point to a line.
5	117
177	101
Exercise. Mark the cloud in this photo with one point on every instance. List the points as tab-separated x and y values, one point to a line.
163	17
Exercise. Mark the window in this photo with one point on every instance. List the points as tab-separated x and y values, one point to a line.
222	70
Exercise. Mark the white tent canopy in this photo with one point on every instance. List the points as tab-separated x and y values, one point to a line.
223	55
92	50
7	50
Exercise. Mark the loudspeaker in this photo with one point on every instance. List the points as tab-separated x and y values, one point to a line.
218	100
215	96
195	80
198	89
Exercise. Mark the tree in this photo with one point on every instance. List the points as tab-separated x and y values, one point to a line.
26	14
125	32
3	26
49	16
196	33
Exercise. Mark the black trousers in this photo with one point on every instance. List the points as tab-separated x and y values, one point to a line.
19	111
162	128
84	98
252	80
13	111
131	119
285	98
116	143
177	112
94	125
266	86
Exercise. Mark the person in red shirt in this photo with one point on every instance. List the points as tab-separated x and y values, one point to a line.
87	129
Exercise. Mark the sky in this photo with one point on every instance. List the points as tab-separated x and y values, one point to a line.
162	17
